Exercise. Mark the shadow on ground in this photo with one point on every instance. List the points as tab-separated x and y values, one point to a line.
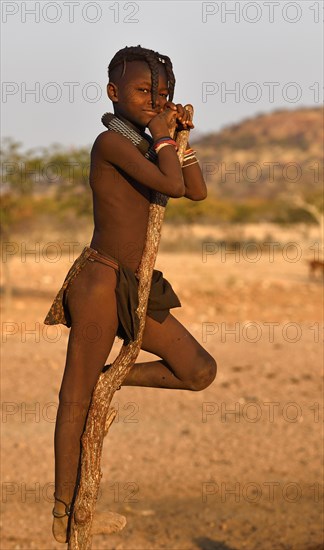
204	543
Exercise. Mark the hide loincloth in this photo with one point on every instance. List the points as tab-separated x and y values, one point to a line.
161	298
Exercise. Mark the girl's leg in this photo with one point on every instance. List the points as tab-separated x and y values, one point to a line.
184	363
92	304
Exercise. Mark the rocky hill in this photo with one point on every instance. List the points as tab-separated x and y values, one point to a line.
266	153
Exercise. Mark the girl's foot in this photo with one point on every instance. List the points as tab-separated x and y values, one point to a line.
104	523
59	529
61	513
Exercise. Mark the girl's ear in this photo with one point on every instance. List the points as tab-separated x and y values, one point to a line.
112	92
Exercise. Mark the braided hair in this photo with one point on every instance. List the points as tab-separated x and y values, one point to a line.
152	58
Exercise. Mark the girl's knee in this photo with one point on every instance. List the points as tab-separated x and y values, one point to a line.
205	374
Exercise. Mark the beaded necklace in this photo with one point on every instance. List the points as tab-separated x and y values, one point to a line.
144	144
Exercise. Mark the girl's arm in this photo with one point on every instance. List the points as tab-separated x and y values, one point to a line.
195	186
165	177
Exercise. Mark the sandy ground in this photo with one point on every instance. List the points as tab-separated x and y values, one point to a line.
236	466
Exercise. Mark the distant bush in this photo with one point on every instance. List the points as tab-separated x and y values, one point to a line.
214	210
298	141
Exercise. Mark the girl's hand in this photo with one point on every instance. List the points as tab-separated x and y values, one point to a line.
183	116
161	123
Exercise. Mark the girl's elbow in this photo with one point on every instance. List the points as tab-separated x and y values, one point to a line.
203	192
179	194
178	191
202	195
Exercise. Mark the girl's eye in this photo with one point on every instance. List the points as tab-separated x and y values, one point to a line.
146	90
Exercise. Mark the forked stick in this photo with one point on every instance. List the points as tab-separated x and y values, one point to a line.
100	417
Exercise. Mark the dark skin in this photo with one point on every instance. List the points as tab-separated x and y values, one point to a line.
136	93
121	180
114	159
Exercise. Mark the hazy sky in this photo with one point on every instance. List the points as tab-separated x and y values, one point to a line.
269	53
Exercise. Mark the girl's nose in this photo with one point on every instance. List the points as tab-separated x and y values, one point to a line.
157	102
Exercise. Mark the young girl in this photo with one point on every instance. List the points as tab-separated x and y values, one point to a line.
98	299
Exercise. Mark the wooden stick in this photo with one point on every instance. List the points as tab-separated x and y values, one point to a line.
100	417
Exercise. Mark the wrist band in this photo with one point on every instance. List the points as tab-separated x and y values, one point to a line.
161	145
189	157
165	139
168	142
191	163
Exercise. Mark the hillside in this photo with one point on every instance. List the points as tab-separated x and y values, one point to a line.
271	150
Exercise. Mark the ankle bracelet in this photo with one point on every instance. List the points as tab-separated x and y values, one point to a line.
67	508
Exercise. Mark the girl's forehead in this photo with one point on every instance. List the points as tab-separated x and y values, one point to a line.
140	70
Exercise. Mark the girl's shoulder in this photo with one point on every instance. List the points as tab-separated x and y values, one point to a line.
109	136
112	147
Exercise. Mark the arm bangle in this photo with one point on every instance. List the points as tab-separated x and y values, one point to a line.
165	139
189	157
159	147
190	164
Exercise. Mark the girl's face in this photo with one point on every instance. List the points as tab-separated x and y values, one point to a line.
131	94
